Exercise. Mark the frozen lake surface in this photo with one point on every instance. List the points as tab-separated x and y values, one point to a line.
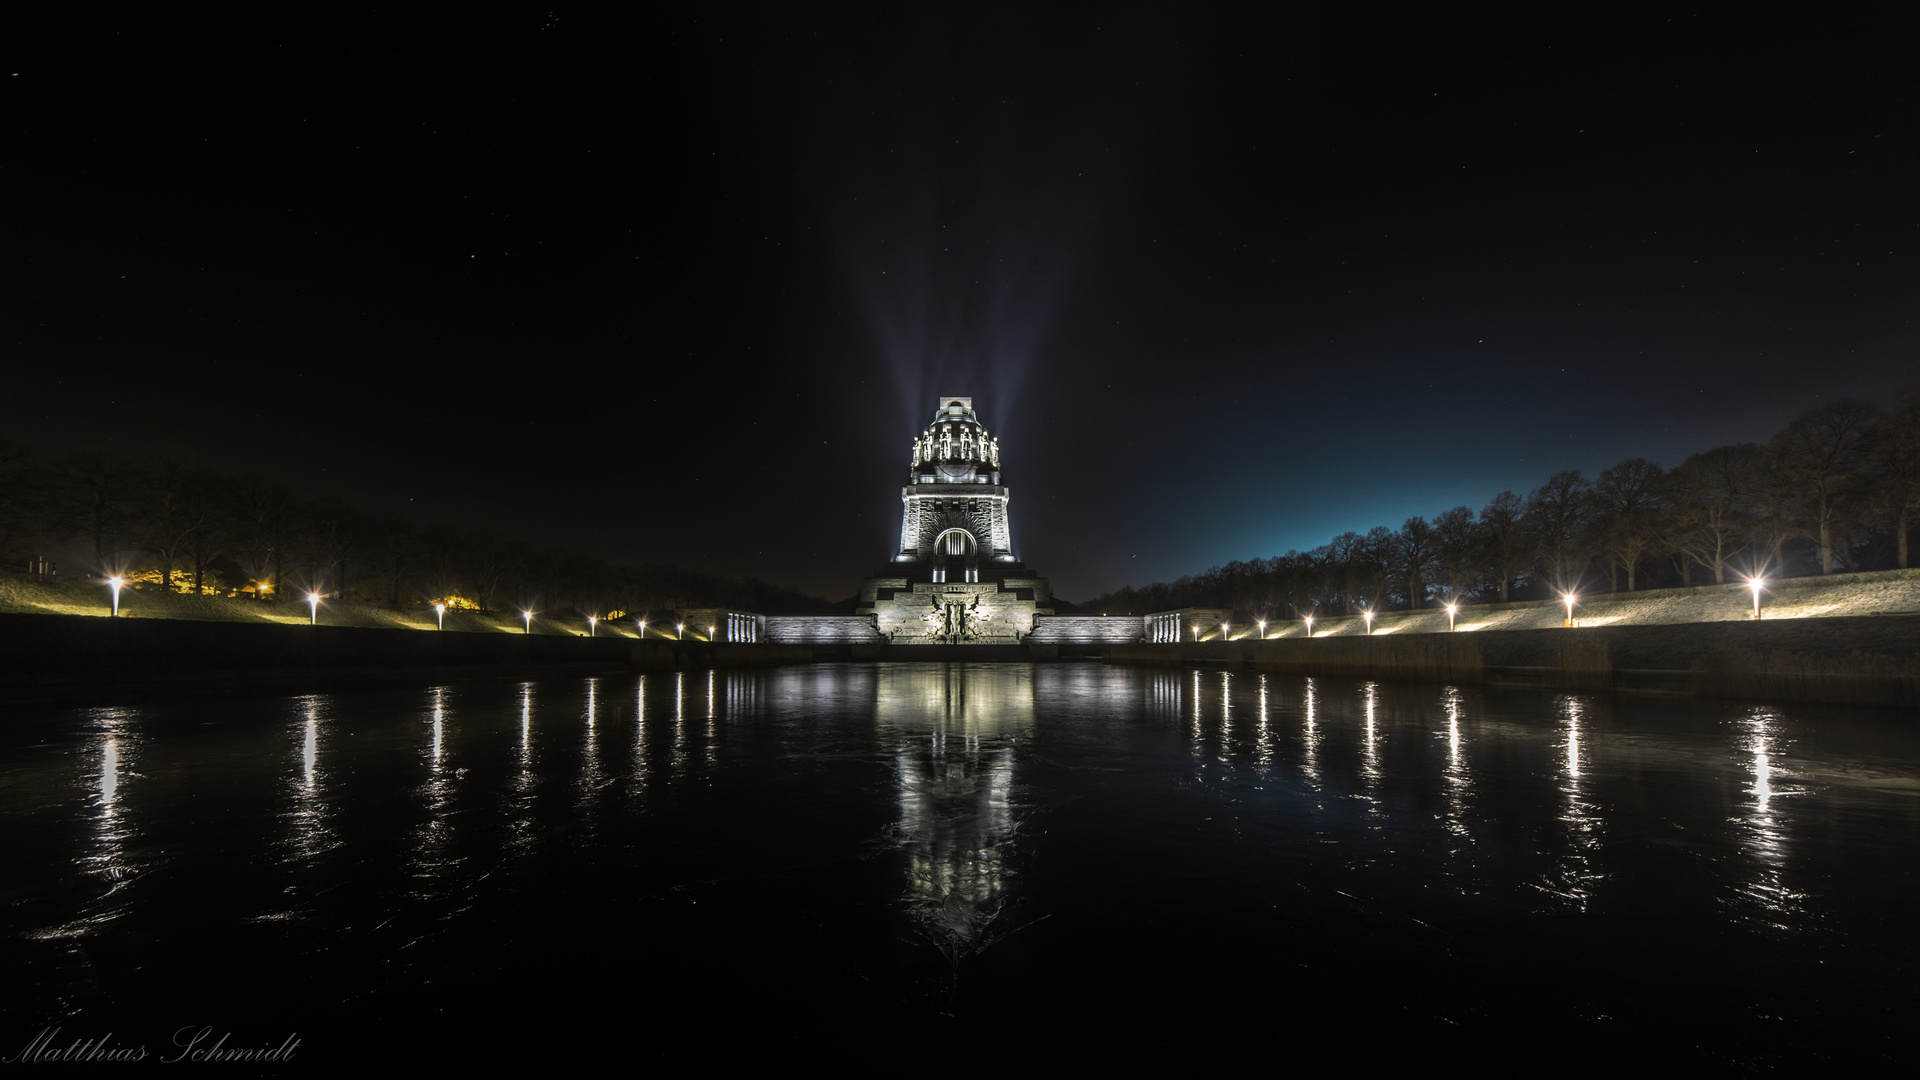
968	861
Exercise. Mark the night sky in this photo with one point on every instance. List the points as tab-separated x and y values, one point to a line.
682	289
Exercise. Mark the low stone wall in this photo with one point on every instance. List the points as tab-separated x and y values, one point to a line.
1085	629
821	630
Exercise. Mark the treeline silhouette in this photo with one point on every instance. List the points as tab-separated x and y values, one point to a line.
1837	489
167	521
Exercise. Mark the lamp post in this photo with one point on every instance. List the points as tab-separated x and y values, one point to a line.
1755	583
710	633
1368	615
313	609
1226	631
528	615
679	631
1569	598
1309	619
1263	629
440	616
593	625
115	583
643	628
1452	610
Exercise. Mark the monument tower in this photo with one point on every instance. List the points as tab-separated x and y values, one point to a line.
955	579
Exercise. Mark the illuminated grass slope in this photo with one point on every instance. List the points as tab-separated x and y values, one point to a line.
26	594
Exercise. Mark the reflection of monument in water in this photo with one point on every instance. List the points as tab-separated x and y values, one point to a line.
955	579
954	735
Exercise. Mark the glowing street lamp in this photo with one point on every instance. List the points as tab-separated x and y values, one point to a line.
1755	583
1309	619
528	615
1226	631
710	633
1263	629
593	624
1368	615
679	631
116	583
1569	598
643	628
1452	610
313	609
440	613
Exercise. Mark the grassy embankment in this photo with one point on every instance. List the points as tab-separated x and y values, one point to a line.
27	594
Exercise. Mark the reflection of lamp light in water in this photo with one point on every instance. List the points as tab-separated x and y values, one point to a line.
115	583
313	609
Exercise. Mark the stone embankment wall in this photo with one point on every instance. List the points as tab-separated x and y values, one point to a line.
73	657
1872	660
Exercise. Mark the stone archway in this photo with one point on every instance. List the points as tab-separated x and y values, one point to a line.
955	542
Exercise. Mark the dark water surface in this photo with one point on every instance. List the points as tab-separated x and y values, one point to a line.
959	862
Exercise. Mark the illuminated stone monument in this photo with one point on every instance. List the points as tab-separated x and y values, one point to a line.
955	580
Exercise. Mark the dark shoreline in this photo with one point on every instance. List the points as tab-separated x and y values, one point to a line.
1869	660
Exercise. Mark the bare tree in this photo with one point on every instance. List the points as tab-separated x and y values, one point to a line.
20	501
1506	546
393	546
168	512
93	494
1457	542
1894	460
1820	454
1710	495
1627	503
259	512
1416	548
1556	515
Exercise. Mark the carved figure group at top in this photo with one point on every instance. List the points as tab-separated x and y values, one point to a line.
942	447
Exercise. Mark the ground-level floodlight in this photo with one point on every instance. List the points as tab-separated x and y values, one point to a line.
1368	615
440	613
1452	610
593	624
1309	619
679	631
710	636
1263	629
1755	584
528	615
1226	631
1569	598
115	583
313	609
643	628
